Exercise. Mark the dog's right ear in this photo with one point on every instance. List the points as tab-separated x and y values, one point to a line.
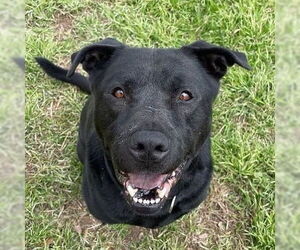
94	56
216	59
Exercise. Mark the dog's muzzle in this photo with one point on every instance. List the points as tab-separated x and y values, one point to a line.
147	192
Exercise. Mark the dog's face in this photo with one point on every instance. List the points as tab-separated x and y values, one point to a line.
152	110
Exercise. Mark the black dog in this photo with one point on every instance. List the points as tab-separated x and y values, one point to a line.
144	135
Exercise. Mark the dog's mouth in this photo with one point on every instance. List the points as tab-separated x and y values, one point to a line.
147	192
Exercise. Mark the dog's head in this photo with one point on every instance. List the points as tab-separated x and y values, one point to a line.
152	110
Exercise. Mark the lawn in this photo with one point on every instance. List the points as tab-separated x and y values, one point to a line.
239	212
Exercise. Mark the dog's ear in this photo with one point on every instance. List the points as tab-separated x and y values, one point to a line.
216	59
94	56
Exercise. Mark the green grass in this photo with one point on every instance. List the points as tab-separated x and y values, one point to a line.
239	213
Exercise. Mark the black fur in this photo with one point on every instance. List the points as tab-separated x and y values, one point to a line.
152	80
61	74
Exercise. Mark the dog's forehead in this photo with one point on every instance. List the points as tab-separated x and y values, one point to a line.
144	65
151	57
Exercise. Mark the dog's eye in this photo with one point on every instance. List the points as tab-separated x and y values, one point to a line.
118	93
185	96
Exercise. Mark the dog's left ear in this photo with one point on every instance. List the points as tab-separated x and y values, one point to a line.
216	59
94	55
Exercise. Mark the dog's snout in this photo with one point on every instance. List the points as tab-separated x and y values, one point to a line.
149	146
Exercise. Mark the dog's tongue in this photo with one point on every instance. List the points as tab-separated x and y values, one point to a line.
146	181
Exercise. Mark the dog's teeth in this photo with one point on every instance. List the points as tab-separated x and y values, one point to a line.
135	200
161	193
145	202
152	201
140	201
132	191
157	200
173	174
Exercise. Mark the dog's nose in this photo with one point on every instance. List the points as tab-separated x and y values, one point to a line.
149	146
